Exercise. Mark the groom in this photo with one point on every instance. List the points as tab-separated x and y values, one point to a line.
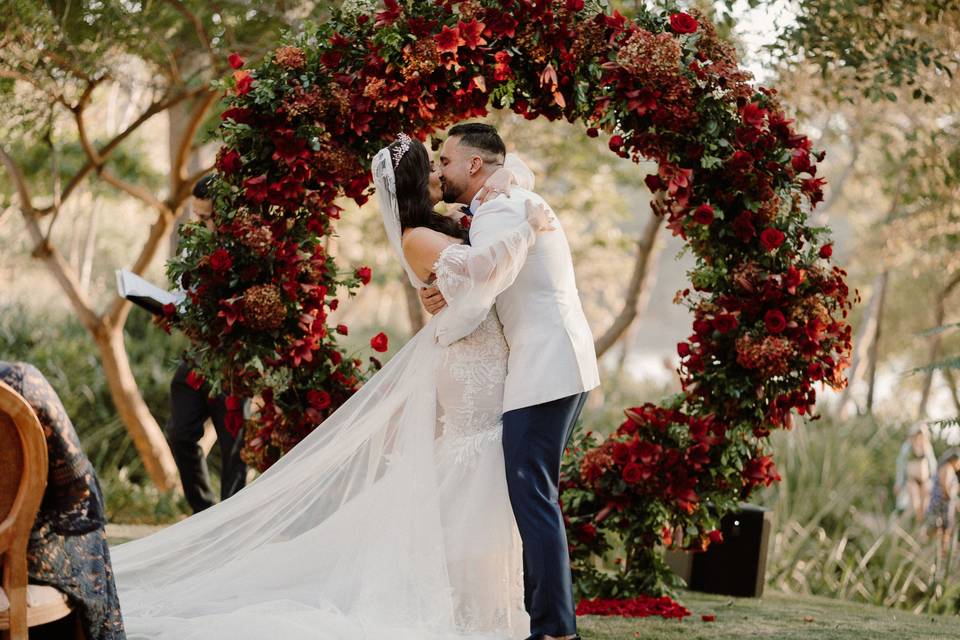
551	367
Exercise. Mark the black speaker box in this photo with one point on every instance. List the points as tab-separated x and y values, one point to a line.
735	567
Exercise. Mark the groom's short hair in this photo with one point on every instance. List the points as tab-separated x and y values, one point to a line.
480	136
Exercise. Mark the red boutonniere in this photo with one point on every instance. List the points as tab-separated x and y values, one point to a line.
465	221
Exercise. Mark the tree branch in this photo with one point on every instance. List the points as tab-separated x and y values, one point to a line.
633	300
186	143
44	250
104	152
198	27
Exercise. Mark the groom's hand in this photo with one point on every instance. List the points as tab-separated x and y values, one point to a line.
432	299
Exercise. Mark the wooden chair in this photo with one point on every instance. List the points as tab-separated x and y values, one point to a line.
23	478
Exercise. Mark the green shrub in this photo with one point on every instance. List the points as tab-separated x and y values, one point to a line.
58	345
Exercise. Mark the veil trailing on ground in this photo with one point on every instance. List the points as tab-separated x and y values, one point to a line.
339	537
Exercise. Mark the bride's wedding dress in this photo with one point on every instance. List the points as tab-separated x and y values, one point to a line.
390	521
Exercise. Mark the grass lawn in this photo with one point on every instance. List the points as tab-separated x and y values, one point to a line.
774	616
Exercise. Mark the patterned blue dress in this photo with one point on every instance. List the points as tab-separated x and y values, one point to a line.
68	545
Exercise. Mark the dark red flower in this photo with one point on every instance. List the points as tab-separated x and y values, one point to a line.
194	380
774	321
771	238
364	274
800	161
574	5
390	14
229	162
753	114
587	532
240	115
616	143
743	226
465	221
244	82
715	536
256	189
703	214
343	329
501	68
169	310
318	399
220	260
471	33
235	60
826	251
632	473
621	453
683	23
725	322
379	342
654	182
448	40
708	617
683	349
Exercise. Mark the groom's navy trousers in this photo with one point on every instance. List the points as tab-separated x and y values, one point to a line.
533	442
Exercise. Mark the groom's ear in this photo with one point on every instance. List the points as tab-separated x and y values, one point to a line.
476	164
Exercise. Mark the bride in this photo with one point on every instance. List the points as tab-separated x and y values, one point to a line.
392	519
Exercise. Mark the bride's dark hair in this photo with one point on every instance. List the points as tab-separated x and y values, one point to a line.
413	193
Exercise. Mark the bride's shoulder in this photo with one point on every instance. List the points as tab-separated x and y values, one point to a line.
425	244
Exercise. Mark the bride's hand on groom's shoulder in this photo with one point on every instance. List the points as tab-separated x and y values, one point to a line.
500	181
540	217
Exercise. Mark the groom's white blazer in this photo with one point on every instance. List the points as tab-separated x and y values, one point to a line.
551	346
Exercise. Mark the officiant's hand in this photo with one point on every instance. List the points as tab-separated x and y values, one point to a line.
432	300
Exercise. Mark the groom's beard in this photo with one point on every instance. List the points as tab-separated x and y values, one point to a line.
449	191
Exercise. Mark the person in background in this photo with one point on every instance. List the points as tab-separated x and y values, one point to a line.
68	545
916	467
190	407
942	512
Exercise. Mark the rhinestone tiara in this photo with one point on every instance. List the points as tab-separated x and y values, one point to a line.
400	149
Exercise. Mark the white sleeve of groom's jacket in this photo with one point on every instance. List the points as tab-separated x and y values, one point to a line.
472	276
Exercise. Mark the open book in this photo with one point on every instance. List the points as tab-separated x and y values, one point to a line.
146	295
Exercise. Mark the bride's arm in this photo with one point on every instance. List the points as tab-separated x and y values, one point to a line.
470	278
513	172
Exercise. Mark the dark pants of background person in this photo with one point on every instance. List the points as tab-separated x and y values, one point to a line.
189	409
533	442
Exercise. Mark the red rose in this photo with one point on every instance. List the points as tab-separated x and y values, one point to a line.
229	162
194	380
244	82
632	473
826	251
616	142
379	342
725	322
235	60
703	214
220	260
364	273
775	321
621	453
683	23
318	399
574	5
169	310
588	532
343	329
465	221
683	349
771	238
800	161
716	537
240	115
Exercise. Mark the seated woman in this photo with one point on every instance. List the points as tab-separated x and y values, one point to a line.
68	546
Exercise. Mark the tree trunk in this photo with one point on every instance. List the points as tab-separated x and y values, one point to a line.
142	426
862	342
935	344
952	386
875	342
638	290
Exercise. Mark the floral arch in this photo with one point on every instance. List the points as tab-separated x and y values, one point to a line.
735	181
